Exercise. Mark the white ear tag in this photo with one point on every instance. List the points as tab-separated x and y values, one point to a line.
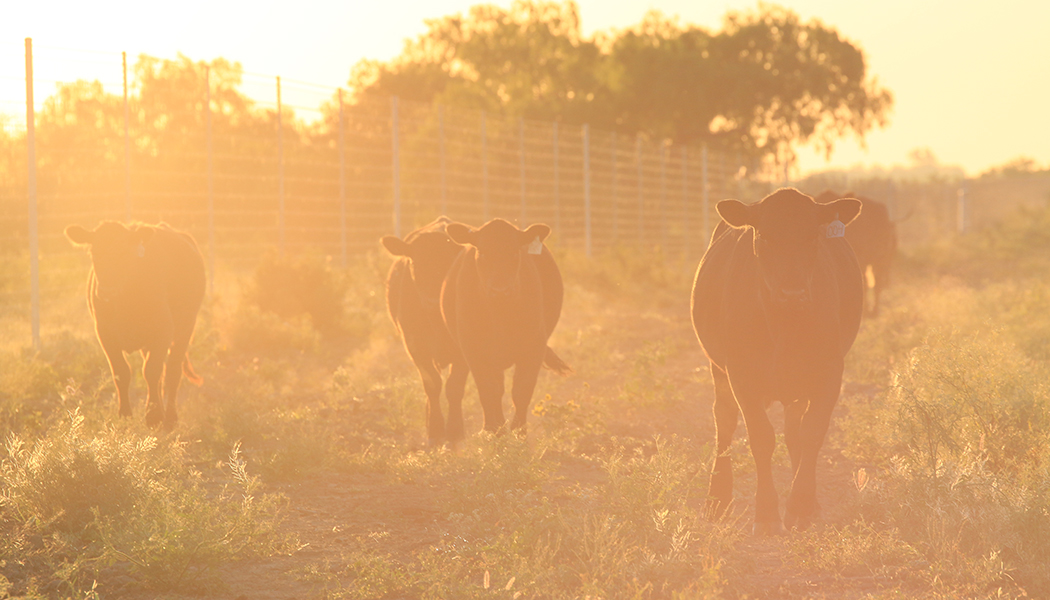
836	229
536	246
140	251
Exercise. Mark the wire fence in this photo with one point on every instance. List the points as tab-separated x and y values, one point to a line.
249	163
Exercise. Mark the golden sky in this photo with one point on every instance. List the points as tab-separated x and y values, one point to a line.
971	77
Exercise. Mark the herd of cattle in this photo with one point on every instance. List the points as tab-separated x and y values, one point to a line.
776	304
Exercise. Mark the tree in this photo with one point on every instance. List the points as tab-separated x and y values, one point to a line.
529	60
764	84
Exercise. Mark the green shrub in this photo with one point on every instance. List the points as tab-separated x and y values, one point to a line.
255	332
117	511
966	431
291	288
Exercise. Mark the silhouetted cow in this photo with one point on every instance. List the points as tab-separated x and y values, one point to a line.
413	295
501	301
145	288
874	239
776	305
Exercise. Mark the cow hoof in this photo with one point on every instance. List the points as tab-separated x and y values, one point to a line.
767	528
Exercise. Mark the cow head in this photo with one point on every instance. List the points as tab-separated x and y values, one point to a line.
789	228
430	252
500	246
116	252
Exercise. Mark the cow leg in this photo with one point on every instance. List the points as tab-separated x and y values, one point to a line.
455	388
763	440
525	376
490	392
172	380
431	377
793	412
881	274
121	370
152	372
802	506
727	414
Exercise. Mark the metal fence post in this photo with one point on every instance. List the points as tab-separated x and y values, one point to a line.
705	187
127	143
686	234
34	245
280	173
615	191
484	171
342	182
441	152
663	194
557	190
641	194
396	165
962	212
211	182
521	161
587	189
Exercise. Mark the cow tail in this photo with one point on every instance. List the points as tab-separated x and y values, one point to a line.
552	362
189	373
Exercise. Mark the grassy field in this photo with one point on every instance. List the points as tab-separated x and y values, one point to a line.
299	468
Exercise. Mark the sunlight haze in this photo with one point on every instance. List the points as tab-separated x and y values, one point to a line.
970	79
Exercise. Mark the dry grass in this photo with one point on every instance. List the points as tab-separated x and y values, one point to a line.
944	430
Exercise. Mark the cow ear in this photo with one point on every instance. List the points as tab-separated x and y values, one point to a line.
845	210
736	213
80	236
539	230
395	245
460	233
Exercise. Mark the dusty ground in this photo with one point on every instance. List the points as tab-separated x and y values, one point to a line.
329	511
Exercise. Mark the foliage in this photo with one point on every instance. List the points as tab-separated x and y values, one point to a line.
764	83
76	506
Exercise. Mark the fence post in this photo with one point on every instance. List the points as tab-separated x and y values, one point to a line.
587	189
127	143
34	246
484	171
342	182
962	212
663	194
557	187
615	191
686	208
441	152
706	189
641	195
211	183
280	173
396	164
521	160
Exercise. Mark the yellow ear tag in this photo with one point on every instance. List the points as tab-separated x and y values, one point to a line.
140	251
836	229
536	246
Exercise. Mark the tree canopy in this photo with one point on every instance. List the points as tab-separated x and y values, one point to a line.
766	83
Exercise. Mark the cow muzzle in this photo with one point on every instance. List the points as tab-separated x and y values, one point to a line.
797	297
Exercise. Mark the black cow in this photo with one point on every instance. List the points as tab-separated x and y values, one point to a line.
413	295
776	305
501	300
145	288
